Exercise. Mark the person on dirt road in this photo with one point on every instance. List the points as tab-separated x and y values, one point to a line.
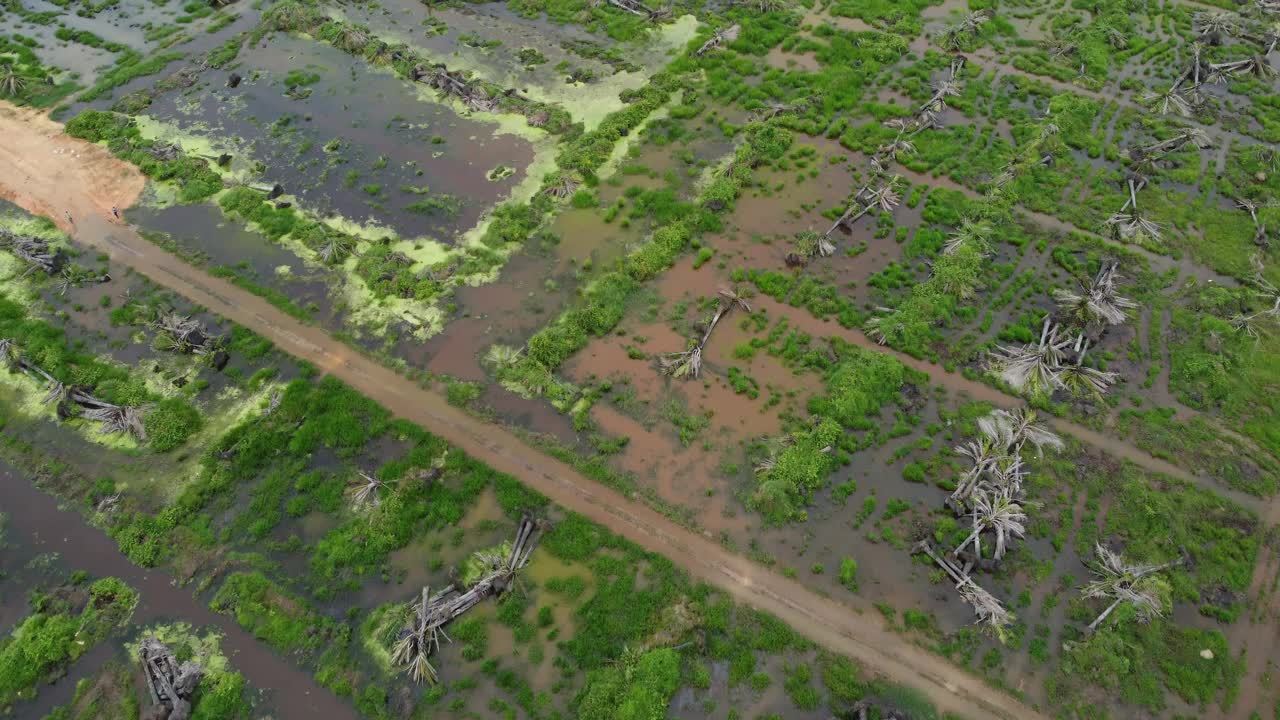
115	212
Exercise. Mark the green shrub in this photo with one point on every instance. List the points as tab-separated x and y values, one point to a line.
170	423
640	691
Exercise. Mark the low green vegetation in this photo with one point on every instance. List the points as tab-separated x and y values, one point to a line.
195	179
62	626
24	80
168	420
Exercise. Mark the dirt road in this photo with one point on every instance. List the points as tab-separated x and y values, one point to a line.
51	174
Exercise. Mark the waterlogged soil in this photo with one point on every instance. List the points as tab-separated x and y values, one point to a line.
541	279
487	39
80	62
347	140
144	27
825	621
38	523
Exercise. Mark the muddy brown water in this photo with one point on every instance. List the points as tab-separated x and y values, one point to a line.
88	182
48	527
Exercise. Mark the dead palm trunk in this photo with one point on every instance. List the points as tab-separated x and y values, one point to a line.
688	363
1123	582
432	613
989	610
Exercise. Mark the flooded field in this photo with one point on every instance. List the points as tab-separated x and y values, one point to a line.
600	360
345	140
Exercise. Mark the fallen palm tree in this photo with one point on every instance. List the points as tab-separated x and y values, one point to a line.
958	35
1055	362
1259	66
1123	582
1214	26
1251	323
773	109
1032	367
1129	223
996	454
73	401
898	149
991	493
688	363
943	89
635	7
984	453
40	255
1037	153
720	39
1098	301
1015	428
164	152
991	613
809	244
430	613
1260	237
925	118
182	334
171	684
1080	379
366	491
337	247
562	185
74	276
8	354
115	419
885	198
975	233
1159	149
1175	100
456	84
995	510
36	252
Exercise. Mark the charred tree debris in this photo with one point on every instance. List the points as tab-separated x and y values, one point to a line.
171	684
76	401
421	636
182	334
37	253
456	84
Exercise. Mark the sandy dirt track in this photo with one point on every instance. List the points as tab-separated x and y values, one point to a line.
52	174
